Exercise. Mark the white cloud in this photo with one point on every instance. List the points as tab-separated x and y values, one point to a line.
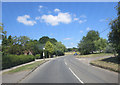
57	10
103	20
40	6
81	31
37	18
24	20
67	38
88	28
76	19
82	21
55	20
51	34
72	43
83	16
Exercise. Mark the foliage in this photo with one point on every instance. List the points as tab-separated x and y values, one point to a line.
87	44
49	48
59	49
71	49
114	35
101	44
37	56
44	39
14	60
109	48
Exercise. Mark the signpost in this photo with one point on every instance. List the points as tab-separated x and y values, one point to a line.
43	54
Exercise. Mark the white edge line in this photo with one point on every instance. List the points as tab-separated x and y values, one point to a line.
76	76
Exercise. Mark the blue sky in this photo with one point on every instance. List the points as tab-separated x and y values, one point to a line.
67	22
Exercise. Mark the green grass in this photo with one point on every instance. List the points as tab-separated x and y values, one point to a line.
26	67
107	63
95	55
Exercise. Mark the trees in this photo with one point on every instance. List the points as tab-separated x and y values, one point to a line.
44	39
87	44
49	48
114	35
100	44
59	49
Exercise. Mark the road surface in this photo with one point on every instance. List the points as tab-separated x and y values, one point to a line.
68	69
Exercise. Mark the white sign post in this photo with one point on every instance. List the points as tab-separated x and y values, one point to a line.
43	53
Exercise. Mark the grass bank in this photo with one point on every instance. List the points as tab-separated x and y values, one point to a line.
27	67
95	55
111	63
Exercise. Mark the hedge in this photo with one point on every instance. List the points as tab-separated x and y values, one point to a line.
9	61
37	56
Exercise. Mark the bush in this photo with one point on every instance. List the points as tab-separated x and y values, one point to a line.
109	49
14	60
59	53
37	56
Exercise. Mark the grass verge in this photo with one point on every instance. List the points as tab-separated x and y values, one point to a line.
27	67
107	63
95	55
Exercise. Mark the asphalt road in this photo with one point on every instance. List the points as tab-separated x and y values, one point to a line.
68	69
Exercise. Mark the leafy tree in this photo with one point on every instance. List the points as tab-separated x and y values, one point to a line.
109	48
87	44
101	44
32	46
49	48
53	40
1	30
114	35
16	49
23	39
44	39
59	49
69	49
10	40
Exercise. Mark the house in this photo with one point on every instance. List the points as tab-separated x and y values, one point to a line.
28	52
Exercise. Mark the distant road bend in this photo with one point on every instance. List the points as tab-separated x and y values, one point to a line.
68	69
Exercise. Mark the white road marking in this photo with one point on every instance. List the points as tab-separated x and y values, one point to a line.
76	76
65	63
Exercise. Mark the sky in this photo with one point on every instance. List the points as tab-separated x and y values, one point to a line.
67	22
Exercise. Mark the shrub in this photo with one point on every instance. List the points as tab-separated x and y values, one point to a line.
14	60
37	56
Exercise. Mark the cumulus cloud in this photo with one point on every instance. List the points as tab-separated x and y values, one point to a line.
67	38
57	10
76	19
40	6
37	18
55	20
25	21
83	16
88	28
82	21
81	31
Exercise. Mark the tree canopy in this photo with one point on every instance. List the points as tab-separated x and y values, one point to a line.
87	44
114	35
